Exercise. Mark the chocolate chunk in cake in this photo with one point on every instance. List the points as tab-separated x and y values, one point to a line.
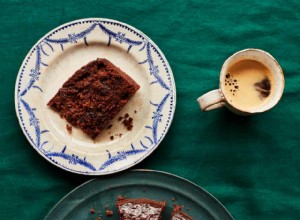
178	214
93	96
140	208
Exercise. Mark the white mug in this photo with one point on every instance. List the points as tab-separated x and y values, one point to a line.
219	98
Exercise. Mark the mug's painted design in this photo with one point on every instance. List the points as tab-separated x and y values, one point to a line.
29	75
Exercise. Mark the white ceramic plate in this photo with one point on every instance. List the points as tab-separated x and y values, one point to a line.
55	57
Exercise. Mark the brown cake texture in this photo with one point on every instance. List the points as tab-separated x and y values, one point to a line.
93	96
140	208
178	214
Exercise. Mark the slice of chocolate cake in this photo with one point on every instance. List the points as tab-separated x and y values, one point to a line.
178	214
140	208
93	96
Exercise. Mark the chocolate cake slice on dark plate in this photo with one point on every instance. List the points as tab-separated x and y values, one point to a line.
93	96
140	208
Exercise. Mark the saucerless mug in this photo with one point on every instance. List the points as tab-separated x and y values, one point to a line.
251	81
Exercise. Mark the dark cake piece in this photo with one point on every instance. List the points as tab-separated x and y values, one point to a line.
178	214
93	96
140	208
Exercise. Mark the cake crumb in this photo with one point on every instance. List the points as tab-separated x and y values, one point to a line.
69	128
126	115
128	123
173	199
99	218
109	213
120	118
92	211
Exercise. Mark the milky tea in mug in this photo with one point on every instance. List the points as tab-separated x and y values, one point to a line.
251	81
248	84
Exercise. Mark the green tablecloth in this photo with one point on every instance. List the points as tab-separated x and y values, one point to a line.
251	164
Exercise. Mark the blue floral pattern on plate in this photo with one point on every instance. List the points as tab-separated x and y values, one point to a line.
79	32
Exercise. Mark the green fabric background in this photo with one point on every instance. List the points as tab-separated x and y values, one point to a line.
251	164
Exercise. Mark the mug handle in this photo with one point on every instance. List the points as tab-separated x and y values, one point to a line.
211	100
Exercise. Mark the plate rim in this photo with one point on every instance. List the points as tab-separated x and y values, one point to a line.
97	172
159	172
